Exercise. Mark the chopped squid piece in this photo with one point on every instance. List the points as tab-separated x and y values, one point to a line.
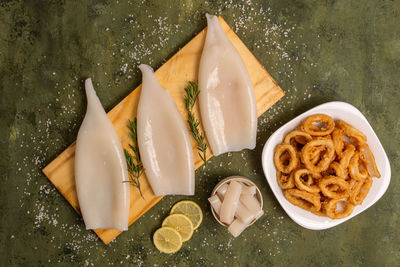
230	202
244	214
250	202
237	227
215	203
222	190
249	190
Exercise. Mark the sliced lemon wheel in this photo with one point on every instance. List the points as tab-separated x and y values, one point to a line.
191	209
167	240
180	223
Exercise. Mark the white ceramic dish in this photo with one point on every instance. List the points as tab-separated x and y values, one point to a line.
350	114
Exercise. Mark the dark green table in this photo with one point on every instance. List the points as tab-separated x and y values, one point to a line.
317	51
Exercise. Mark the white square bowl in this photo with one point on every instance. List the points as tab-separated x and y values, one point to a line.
350	114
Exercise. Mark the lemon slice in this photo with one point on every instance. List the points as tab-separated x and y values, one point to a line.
191	209
167	240
180	223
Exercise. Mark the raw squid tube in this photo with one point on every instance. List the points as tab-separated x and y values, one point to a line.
100	169
230	202
227	102
164	143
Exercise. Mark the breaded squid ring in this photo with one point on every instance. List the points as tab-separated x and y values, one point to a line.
347	154
326	158
296	134
360	190
330	209
315	154
368	158
285	181
308	184
293	162
325	127
355	135
334	187
354	168
304	200
338	140
336	169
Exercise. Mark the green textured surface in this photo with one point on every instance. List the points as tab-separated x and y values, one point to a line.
317	51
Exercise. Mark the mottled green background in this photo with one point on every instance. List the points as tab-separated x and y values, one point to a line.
317	51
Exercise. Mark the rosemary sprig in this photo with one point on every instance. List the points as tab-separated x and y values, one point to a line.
192	92
135	166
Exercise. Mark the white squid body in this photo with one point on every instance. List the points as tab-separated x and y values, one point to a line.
227	102
100	169
164	143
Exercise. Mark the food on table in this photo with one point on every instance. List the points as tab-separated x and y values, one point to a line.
369	160
237	227
285	149
222	190
180	223
230	202
227	102
215	203
310	125
250	202
191	209
185	217
355	135
100	169
167	240
249	190
241	205
164	143
325	167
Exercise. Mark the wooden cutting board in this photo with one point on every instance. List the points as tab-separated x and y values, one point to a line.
174	76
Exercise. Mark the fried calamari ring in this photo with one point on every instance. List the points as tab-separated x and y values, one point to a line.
331	209
326	158
347	154
318	125
320	212
338	140
355	135
285	181
299	136
303	179
304	200
315	154
360	190
293	161
334	187
368	158
356	169
335	169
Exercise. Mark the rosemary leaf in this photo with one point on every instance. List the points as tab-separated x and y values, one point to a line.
192	92
135	166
